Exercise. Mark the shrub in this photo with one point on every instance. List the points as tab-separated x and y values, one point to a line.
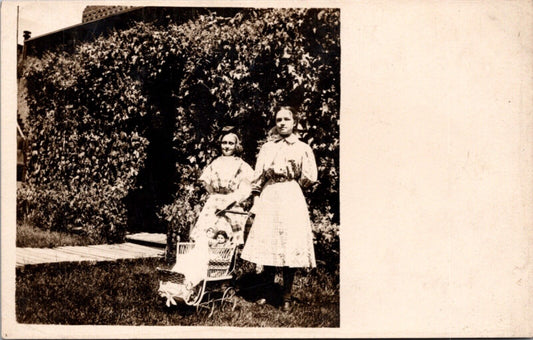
99	116
237	70
99	211
180	215
86	146
326	242
45	208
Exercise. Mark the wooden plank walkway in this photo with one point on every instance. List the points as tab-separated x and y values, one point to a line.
95	253
148	239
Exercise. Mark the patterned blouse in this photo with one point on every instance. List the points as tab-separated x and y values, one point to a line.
284	159
226	175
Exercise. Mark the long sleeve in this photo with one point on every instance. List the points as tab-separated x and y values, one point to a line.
245	182
207	177
258	175
309	169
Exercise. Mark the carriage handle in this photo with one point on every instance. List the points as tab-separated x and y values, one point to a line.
223	211
227	209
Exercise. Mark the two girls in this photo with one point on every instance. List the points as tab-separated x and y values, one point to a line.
281	234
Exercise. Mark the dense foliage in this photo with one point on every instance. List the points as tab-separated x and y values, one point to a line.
121	128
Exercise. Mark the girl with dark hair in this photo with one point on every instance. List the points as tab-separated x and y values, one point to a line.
221	239
281	234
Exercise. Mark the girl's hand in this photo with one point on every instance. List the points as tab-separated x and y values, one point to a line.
221	205
305	183
224	205
253	210
209	188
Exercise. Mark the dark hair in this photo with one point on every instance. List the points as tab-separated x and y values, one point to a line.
293	111
223	233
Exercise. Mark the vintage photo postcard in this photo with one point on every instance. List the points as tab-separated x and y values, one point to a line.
214	169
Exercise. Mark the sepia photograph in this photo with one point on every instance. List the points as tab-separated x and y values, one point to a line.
179	166
192	169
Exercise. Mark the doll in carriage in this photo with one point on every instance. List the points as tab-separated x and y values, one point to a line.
204	267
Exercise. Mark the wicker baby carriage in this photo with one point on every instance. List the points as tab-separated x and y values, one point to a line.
216	286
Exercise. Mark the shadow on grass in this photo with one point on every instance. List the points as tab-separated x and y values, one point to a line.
125	293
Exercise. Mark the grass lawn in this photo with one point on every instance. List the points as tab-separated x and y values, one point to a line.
33	237
125	293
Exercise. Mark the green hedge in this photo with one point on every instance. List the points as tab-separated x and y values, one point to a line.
100	116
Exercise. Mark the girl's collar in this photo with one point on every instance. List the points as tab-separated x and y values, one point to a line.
291	139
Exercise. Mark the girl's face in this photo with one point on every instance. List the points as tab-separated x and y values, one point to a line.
228	145
284	122
221	239
210	233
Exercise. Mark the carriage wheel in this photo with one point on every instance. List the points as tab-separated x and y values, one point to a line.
229	297
211	309
197	294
